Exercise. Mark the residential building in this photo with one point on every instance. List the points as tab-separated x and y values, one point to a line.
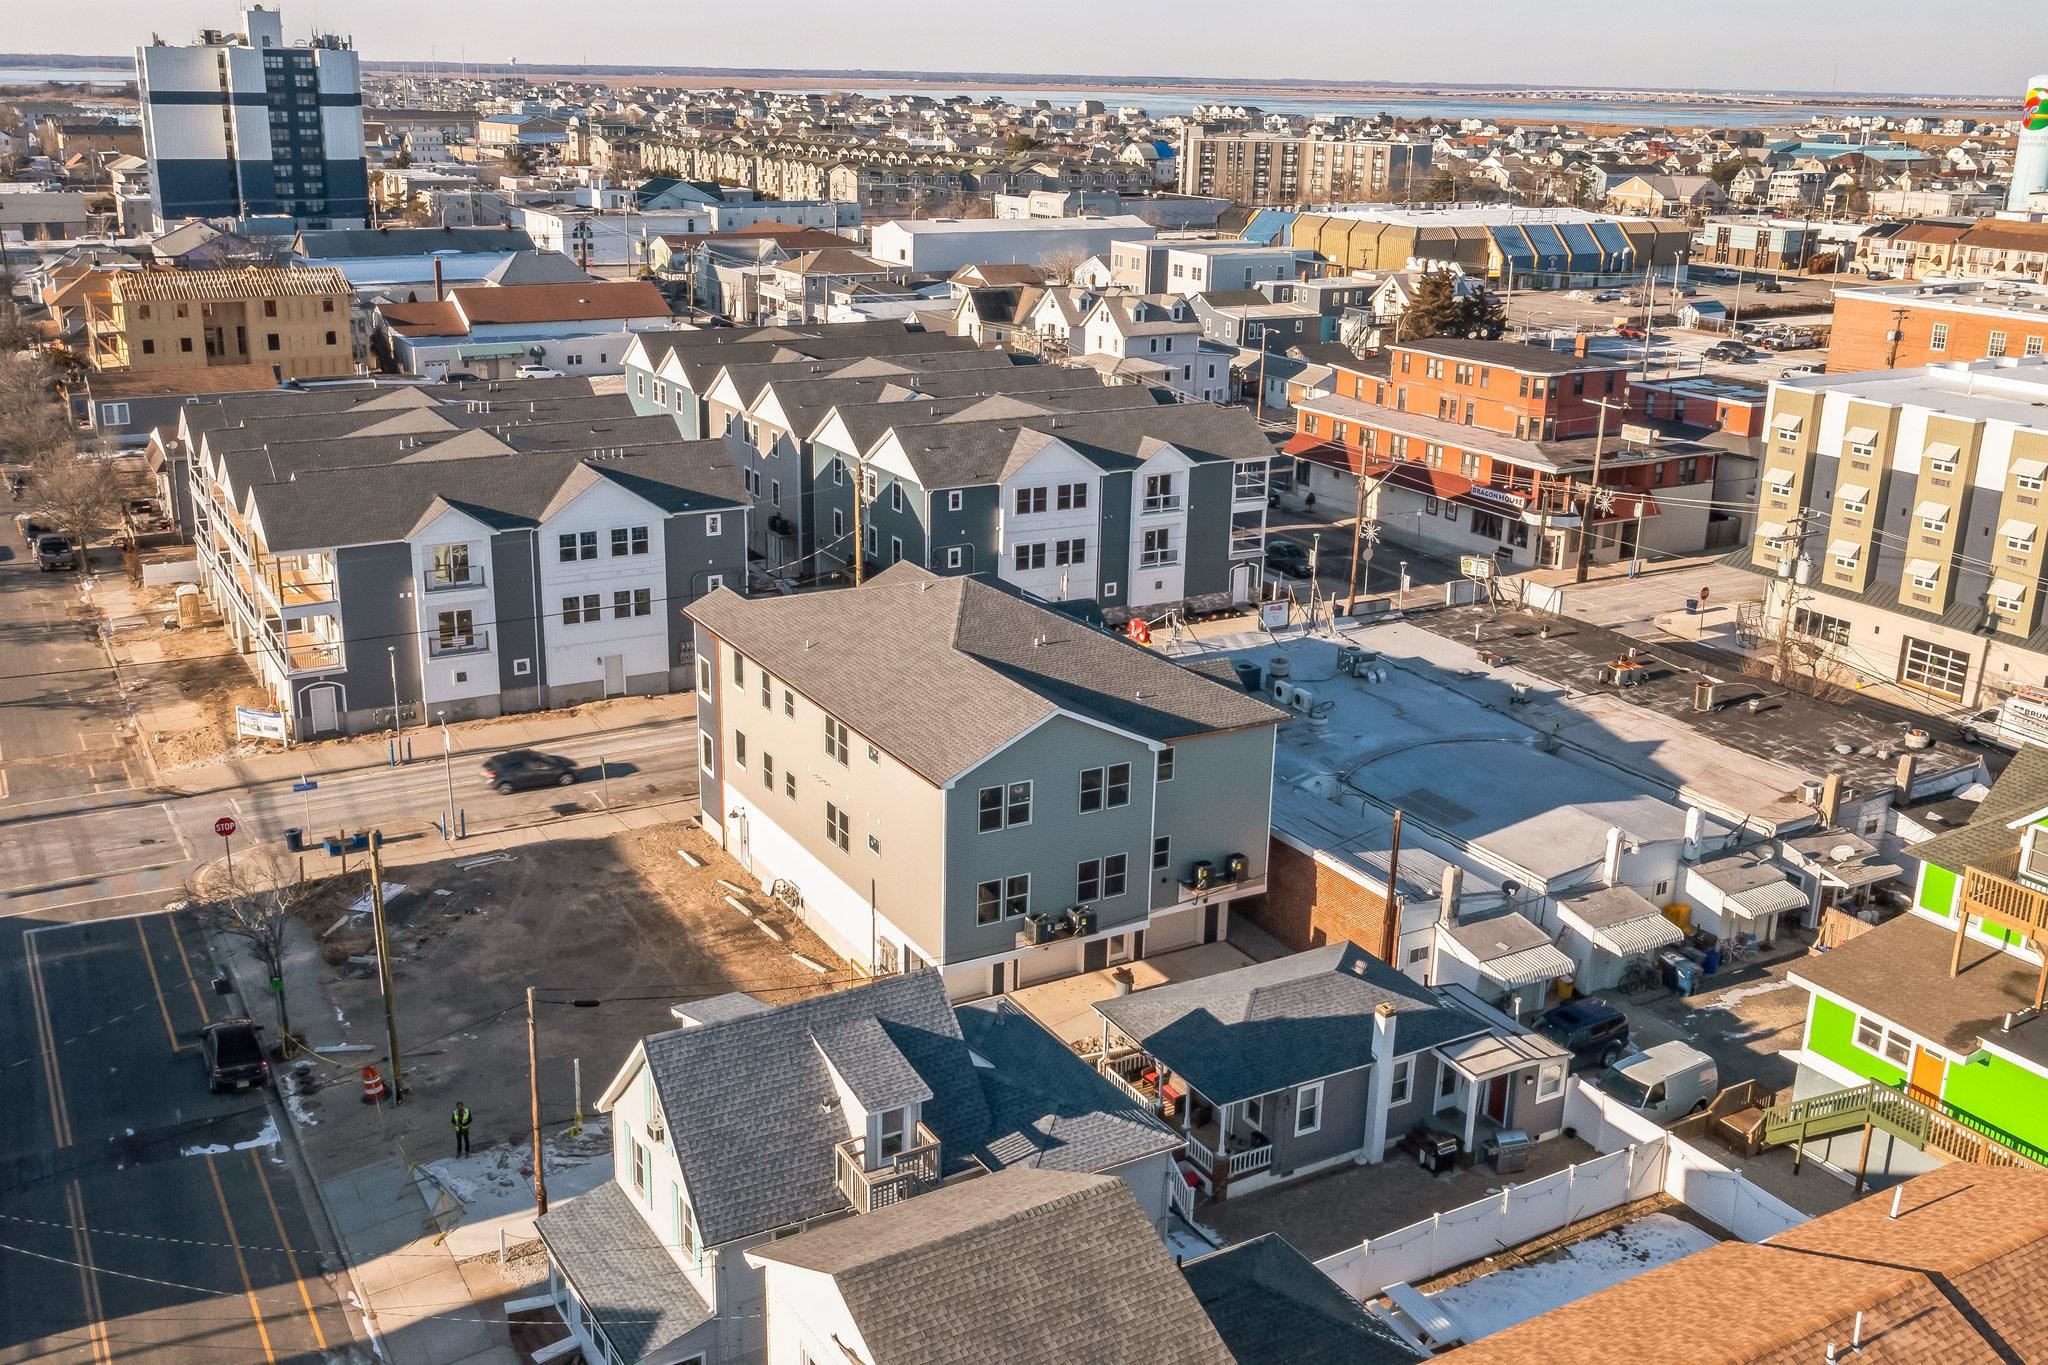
1481	447
471	550
1980	248
1666	196
1898	528
294	321
1268	168
243	125
1895	326
751	1123
1249	319
1327	1058
1274	1306
35	213
1053	1266
800	290
940	246
604	237
489	332
1153	339
1103	804
1933	1268
1225	267
415	264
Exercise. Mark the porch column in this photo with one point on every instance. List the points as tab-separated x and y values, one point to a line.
1471	1111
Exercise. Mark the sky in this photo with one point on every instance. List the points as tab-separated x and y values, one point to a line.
1906	46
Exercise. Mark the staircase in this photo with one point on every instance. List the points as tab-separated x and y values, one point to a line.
1912	1116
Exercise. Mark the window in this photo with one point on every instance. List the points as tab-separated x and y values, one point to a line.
1070	552
455	630
768	771
836	826
2033	346
1016	896
642	1162
1071	497
1873	1035
704	676
1994	346
895	549
577	545
739	669
1158	548
1308	1108
1088	881
1029	556
1030	500
1163	765
954	501
579	610
835	739
270	342
1814	626
775	492
895	496
1114	869
685	1222
789	703
838	524
1937	338
705	750
739	749
1017	811
1403	1088
148	347
952	556
1159	494
767	691
789	783
1106	788
629	540
1935	668
270	308
1926	580
988	902
1000	807
113	414
1550	1081
1162	853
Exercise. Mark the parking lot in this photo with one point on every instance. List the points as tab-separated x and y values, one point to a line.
1555	315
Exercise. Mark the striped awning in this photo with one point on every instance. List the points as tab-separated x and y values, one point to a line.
2005	590
1769	899
1541	963
1771	530
1778	478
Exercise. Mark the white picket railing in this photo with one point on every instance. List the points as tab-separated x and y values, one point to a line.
1256	1159
1201	1155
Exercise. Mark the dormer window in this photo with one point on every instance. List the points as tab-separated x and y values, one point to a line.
895	1130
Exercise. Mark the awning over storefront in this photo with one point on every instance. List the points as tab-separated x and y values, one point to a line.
1619	920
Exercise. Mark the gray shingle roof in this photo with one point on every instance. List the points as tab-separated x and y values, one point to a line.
1497	936
1114	439
1276	1024
1032	1267
621	1272
1272	1306
873	1068
701	364
988	665
2020	790
327	508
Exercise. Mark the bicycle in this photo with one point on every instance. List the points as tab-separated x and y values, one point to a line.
1641	976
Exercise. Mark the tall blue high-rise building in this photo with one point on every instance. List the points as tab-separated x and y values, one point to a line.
241	125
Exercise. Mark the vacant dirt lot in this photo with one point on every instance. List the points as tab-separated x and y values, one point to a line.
624	920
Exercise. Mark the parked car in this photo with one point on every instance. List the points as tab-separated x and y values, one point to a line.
1791	371
536	372
1285	557
55	552
1608	296
1769	286
1665	1082
1728	350
1878	275
1629	331
233	1055
509	772
1593	1031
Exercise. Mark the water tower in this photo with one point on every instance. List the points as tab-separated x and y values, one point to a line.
2030	158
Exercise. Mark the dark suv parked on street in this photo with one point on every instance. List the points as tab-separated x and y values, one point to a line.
1593	1031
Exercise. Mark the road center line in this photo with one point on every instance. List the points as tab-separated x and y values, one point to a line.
190	979
46	1038
156	984
242	1265
285	1242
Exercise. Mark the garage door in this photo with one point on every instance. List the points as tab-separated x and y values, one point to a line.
1174	929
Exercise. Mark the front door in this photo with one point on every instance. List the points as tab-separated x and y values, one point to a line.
1497	1099
1927	1072
615	675
325	716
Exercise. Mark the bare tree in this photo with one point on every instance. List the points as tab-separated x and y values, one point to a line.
1060	263
77	495
255	902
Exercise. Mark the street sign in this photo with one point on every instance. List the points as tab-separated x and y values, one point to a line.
225	826
305	786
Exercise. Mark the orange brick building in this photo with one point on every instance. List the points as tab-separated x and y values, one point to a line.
1902	326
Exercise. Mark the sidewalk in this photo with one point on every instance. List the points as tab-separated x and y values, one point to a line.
411	1292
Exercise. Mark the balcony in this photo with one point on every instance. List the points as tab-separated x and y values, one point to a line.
1157	559
312	656
1994	896
1164	502
909	1173
438	581
441	646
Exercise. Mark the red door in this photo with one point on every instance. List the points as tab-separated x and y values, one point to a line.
1497	1099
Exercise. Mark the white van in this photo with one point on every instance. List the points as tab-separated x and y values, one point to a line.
2021	719
1665	1082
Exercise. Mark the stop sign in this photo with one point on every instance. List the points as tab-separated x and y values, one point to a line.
224	826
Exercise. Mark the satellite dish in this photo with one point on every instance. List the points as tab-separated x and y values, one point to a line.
1842	853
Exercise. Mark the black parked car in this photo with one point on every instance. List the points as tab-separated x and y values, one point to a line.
233	1055
1593	1031
1285	557
508	772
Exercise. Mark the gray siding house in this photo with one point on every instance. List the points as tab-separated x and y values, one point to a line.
1285	1068
939	773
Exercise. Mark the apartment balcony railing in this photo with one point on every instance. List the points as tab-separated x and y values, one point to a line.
1154	559
470	642
1248	490
909	1173
312	656
1169	502
436	581
1251	543
1995	896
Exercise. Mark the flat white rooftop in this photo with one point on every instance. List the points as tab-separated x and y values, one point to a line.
2009	390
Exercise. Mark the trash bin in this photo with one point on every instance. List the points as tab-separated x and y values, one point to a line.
1713	961
295	841
331	846
1692	606
1508	1150
1670	962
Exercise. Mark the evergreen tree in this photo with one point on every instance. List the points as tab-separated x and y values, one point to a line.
1436	310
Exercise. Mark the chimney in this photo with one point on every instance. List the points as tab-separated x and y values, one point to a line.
1903	775
1693	824
1453	888
1381	1081
440	291
1830	798
1610	863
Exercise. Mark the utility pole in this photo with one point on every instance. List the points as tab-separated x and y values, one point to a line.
384	977
860	544
1593	490
1391	926
1788	571
540	1178
448	771
1357	540
1898	332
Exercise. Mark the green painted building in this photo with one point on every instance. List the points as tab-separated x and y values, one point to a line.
1912	1003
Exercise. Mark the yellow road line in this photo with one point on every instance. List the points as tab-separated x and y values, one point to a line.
46	1038
156	984
277	1221
235	1242
88	1275
190	979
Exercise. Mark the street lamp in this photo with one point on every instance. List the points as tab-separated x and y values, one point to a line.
391	653
448	770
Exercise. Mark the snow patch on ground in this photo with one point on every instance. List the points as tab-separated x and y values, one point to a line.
267	1137
1496	1302
295	1103
1730	999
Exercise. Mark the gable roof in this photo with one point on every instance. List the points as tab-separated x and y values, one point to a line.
2019	791
1275	1024
620	1270
583	301
1059	1269
989	665
1272	1306
1953	1278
